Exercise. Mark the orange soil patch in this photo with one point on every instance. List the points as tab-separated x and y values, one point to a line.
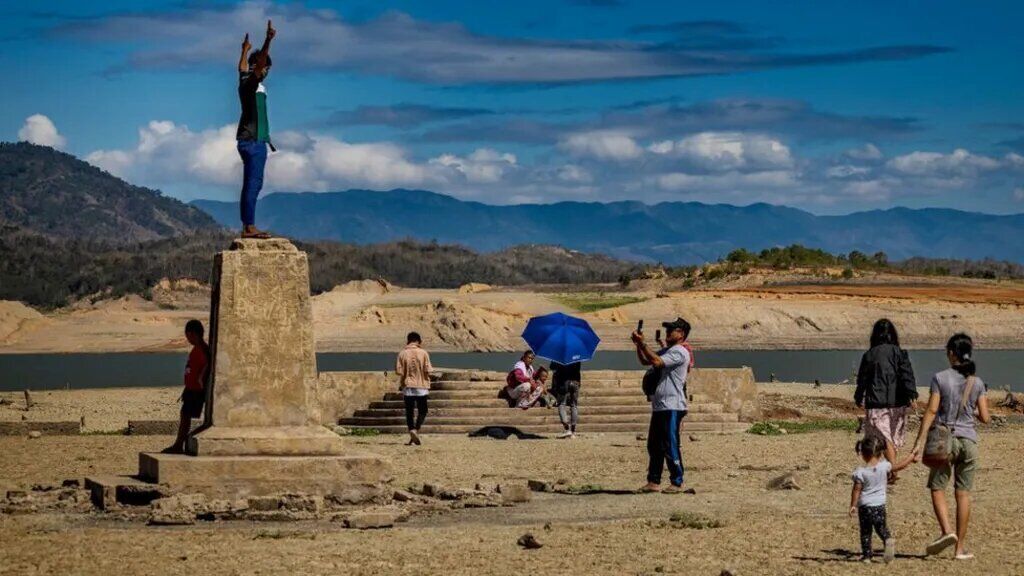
985	294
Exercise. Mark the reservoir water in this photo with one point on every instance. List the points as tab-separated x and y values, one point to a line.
998	368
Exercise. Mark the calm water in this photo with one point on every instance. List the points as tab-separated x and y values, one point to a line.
54	371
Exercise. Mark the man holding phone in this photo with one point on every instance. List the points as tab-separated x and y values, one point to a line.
668	403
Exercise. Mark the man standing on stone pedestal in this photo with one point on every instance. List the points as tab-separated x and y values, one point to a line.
413	369
253	133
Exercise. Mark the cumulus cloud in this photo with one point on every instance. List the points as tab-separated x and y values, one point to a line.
398	45
603	145
39	129
680	181
482	166
402	115
170	154
724	151
959	163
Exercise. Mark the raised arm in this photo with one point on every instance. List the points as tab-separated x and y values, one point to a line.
243	61
261	56
647	356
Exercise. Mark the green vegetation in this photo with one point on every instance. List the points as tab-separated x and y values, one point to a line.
779	427
364	432
594	302
693	520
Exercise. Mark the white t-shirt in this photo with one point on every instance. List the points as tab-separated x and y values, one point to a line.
873	481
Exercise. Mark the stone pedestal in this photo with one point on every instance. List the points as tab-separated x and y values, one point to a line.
262	428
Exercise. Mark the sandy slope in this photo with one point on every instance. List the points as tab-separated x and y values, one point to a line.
368	316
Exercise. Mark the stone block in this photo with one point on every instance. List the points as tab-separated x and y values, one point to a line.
513	493
104	491
269	441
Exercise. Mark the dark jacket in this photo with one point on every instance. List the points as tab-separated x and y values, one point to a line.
885	378
561	374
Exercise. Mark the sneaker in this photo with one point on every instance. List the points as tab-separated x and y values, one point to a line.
890	550
941	544
965	556
865	559
414	437
672	489
565	434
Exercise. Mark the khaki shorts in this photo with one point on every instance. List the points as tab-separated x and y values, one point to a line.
963	463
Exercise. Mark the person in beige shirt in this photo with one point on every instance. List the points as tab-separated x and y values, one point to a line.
413	369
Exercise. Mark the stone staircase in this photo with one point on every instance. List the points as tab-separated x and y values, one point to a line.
459	406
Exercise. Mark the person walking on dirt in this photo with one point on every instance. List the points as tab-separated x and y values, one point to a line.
886	389
565	386
668	404
413	369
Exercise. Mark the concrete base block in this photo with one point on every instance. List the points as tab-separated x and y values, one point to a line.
355	476
266	441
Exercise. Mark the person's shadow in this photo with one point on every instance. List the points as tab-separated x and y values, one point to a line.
844	555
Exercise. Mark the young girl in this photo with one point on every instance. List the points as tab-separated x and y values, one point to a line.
867	499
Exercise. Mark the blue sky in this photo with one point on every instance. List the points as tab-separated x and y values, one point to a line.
828	106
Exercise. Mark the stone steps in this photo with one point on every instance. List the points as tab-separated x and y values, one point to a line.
494	384
499	408
630	394
555	428
533	416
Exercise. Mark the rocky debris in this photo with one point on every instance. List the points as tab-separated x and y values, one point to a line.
71	483
785	482
1013	402
375	518
641	437
694	438
341	431
177	510
513	493
284	507
403	496
690	491
540	486
35	434
528	542
139	494
728	572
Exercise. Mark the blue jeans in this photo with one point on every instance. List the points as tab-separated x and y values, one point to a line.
254	160
663	446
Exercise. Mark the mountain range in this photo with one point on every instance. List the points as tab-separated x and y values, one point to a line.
671	232
55	195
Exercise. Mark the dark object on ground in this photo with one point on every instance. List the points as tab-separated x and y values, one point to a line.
529	542
503	432
28	400
690	491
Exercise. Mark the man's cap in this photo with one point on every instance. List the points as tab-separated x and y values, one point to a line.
678	323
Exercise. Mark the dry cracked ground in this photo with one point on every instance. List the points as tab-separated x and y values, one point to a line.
804	531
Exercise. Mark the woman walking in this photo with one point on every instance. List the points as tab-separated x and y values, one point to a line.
886	388
956	394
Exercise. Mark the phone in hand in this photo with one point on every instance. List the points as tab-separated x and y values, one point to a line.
657	335
640	325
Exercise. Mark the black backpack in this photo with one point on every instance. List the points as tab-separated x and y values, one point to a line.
650	381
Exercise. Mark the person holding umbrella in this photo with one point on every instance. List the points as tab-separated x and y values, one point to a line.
566	341
668	404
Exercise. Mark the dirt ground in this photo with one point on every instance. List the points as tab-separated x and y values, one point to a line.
804	531
370	317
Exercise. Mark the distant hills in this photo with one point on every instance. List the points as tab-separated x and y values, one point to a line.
53	194
672	232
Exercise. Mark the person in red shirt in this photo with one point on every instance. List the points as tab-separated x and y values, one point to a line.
193	397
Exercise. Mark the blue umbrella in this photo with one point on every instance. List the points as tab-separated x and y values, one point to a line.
561	338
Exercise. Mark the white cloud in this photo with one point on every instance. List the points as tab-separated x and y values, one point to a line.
725	151
169	154
960	163
574	174
39	129
843	171
866	152
482	166
1018	193
603	145
682	182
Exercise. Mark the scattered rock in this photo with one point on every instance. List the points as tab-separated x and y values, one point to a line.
35	434
176	510
540	486
547	526
403	496
784	482
17	495
694	438
43	487
690	491
728	572
71	483
641	437
372	519
511	493
341	431
529	542
432	490
264	503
